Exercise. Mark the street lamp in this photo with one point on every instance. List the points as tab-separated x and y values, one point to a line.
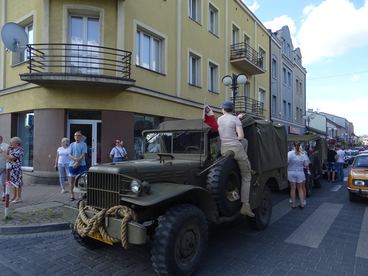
233	81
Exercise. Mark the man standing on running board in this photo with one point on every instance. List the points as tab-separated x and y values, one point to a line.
231	133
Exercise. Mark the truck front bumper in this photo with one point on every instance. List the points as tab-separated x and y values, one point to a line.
357	191
137	233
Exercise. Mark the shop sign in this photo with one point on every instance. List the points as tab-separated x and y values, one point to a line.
294	130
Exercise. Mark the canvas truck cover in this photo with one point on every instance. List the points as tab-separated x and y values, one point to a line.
267	144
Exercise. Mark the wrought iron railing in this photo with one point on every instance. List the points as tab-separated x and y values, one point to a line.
79	59
243	50
248	105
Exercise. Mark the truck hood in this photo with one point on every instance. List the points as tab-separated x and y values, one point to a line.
151	170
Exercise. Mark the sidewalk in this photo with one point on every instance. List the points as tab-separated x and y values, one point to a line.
41	206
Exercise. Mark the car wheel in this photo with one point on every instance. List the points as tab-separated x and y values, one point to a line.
224	183
264	212
180	240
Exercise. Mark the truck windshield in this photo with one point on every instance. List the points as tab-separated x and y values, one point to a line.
189	142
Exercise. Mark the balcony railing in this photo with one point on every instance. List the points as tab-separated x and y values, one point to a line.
246	58
248	105
89	63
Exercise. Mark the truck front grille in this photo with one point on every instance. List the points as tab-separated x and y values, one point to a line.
103	189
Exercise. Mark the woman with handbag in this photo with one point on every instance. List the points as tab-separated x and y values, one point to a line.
118	153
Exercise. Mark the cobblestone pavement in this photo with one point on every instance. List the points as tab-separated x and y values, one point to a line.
334	246
41	204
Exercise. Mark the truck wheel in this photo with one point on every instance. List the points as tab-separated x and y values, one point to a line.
224	183
263	212
180	240
86	241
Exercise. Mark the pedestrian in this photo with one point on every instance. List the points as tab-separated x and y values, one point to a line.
77	163
331	159
3	151
231	133
340	163
62	162
297	162
118	153
14	163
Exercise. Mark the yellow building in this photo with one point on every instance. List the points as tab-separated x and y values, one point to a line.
113	68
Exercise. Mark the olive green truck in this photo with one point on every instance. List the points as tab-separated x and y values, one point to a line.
180	187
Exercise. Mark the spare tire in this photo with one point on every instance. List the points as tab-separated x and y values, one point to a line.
224	184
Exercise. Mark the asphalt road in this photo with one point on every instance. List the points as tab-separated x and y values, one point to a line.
328	237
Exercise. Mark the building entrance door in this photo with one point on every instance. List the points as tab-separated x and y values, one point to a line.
91	129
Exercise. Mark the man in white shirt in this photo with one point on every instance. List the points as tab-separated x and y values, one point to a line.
3	151
231	133
340	163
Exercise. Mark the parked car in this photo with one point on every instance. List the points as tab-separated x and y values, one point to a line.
349	157
358	177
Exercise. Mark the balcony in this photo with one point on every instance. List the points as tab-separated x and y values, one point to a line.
78	65
249	106
246	59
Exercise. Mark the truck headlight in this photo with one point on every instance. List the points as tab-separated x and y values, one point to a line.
136	186
359	182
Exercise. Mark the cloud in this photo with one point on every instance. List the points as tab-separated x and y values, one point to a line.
278	22
355	77
253	7
329	29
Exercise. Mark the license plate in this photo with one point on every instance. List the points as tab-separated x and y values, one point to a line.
97	236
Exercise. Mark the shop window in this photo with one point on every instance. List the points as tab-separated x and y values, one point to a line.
25	131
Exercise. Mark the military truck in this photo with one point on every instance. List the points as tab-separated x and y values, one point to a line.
316	148
180	187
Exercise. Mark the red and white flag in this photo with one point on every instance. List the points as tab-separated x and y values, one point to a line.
209	117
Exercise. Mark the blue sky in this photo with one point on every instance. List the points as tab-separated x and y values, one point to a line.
333	38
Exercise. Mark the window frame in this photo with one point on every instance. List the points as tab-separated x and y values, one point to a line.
198	5
198	77
236	28
213	8
19	58
141	31
215	80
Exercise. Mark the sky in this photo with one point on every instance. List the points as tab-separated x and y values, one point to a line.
333	39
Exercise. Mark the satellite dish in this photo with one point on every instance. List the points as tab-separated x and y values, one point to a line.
14	37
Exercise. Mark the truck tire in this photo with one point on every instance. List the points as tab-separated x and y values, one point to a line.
179	241
86	241
264	212
224	183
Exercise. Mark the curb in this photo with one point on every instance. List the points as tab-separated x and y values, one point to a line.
29	229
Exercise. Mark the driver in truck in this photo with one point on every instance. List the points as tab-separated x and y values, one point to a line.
231	133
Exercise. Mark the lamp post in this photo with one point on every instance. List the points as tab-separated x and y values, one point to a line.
233	81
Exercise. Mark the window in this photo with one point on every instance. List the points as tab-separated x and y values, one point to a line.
274	68
149	50
246	39
289	79
284	76
25	127
23	55
195	10
213	19
289	111
262	56
274	105
284	108
262	97
235	35
212	77
84	30
194	69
